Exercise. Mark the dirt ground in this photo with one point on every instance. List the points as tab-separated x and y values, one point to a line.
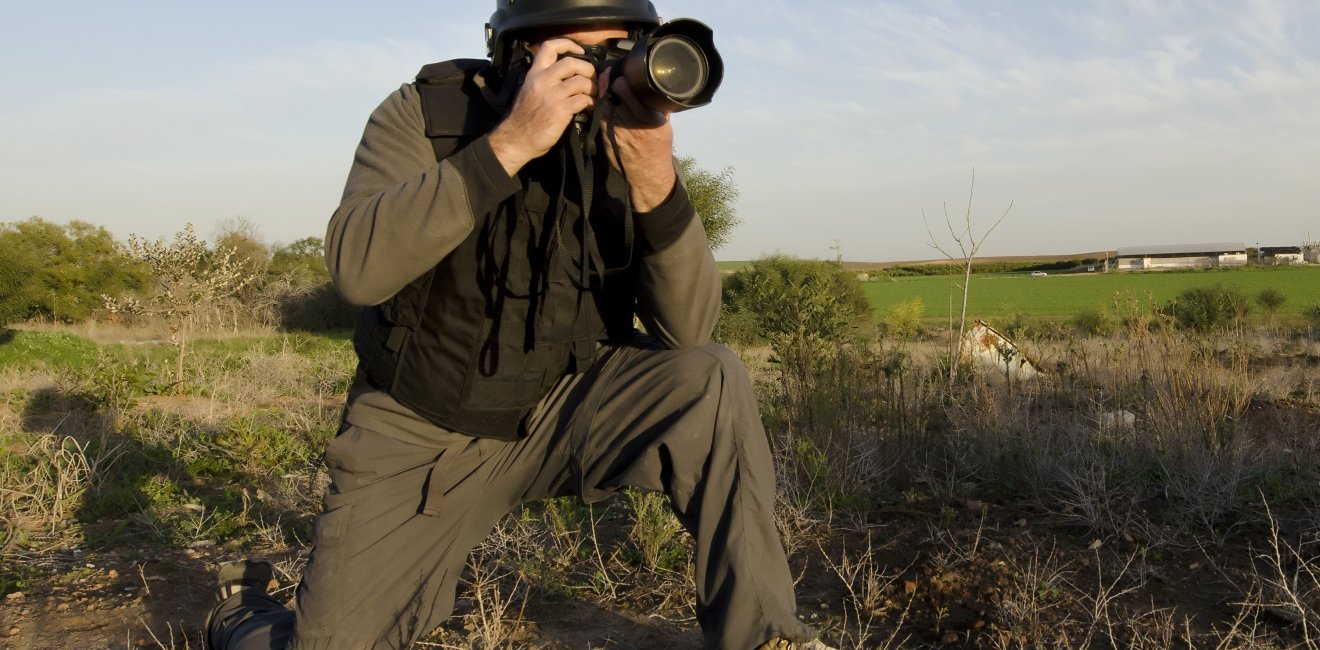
945	575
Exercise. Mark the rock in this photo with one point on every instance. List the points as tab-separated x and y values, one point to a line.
1117	421
949	638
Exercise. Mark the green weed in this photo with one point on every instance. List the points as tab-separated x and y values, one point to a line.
655	531
23	349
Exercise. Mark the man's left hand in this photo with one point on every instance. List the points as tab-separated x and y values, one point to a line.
646	146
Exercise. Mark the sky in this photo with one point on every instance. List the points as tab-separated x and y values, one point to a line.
1087	124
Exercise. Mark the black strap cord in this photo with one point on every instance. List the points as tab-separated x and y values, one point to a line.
591	268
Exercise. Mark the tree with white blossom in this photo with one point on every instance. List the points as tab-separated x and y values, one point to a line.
189	275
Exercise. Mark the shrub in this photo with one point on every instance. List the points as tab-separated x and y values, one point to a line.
808	311
1271	299
1205	308
59	272
904	319
738	327
315	309
799	305
1312	314
1094	322
714	195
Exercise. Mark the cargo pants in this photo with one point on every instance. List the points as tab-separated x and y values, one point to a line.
400	519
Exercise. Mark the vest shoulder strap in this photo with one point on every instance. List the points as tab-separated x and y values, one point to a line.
455	109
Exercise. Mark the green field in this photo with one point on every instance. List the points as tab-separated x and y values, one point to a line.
1058	297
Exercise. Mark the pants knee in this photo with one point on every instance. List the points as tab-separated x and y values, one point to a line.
723	371
722	362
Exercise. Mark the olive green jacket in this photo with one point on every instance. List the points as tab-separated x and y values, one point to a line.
402	212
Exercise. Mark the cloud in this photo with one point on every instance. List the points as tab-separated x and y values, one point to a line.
1135	108
856	114
269	137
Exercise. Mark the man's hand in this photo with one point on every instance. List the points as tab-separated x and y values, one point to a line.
554	91
646	146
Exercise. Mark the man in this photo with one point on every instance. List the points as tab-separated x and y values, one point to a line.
502	224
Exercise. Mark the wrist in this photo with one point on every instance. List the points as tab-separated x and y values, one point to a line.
653	193
507	150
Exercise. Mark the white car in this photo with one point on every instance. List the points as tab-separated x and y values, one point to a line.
1038	274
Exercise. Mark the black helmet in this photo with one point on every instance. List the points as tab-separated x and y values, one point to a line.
515	15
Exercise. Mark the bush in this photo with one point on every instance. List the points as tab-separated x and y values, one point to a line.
797	304
1205	308
59	272
808	310
904	319
316	309
1312	314
1271	299
738	327
1094	322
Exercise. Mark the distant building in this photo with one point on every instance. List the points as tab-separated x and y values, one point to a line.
1311	252
1181	256
1281	255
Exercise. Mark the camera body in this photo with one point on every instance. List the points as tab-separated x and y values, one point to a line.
609	56
672	68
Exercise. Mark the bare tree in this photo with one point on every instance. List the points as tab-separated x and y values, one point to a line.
968	246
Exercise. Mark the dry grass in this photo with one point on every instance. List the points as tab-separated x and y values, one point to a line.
983	513
1159	441
148	331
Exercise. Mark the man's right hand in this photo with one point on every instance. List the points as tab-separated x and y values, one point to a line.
553	92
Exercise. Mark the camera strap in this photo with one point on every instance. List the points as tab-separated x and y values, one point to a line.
581	145
591	269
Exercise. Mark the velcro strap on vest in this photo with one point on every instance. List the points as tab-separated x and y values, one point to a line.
452	101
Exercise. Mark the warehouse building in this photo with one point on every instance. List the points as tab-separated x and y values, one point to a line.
1281	255
1181	256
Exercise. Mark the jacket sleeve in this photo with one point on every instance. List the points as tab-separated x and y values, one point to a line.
402	212
679	299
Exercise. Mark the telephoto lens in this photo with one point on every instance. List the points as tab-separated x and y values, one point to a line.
675	67
678	67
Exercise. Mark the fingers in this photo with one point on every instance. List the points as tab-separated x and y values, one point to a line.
565	79
553	91
630	111
548	59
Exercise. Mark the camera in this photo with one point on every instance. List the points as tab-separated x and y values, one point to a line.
673	68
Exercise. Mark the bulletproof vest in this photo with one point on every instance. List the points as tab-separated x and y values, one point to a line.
473	344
